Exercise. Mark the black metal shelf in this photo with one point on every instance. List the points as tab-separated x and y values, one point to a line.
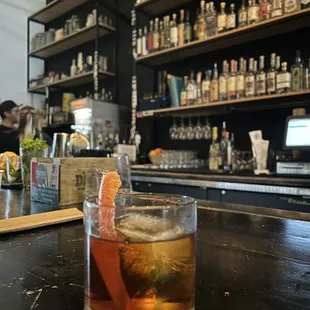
86	34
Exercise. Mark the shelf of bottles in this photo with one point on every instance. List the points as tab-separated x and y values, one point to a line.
248	84
174	38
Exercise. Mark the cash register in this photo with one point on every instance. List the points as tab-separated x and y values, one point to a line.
297	142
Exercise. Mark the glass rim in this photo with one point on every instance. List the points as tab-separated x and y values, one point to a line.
171	200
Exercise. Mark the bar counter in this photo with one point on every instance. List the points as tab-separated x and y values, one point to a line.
244	261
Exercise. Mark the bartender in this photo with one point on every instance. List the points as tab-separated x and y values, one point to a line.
9	136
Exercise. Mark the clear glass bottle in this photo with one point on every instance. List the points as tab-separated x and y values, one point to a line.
223	82
198	83
240	79
264	10
278	63
276	8
231	18
211	20
174	31
250	80
183	95
283	80
144	42
271	75
242	15
191	90
196	25
223	147
215	84
206	87
181	29
156	36
73	69
150	37
291	6
253	12
188	29
222	19
232	80
202	25
139	42
167	31
297	71
261	78
162	35
214	151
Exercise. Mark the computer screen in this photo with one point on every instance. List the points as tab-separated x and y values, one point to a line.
297	132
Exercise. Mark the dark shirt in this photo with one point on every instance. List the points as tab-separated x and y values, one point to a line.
9	140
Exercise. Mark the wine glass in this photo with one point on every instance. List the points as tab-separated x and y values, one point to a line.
198	130
182	130
173	130
206	131
190	135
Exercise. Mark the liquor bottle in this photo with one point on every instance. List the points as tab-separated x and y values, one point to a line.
206	87
89	63
283	80
276	8
183	94
211	20
162	35
191	90
188	29
240	79
214	151
250	80
223	81
242	15
232	80
305	4
73	69
202	25
253	12
196	25
231	18
139	42
150	37
291	6
278	63
80	63
228	165
181	29
174	31
167	31
223	147
297	72
222	19
215	84
198	83
261	77
144	42
264	10
156	37
271	75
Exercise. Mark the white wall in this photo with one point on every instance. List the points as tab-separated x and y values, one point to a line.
13	51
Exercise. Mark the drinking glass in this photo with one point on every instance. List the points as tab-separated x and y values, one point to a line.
173	130
198	130
140	252
206	131
189	131
182	131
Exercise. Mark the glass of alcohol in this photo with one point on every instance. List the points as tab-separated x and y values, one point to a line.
147	261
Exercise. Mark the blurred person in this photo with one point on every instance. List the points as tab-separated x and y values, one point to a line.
9	136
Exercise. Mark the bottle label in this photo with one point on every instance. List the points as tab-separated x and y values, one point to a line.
188	33
240	83
291	6
297	77
271	82
221	22
139	46
283	80
261	83
243	16
223	85
205	86
211	25
231	21
253	13
174	35
214	91
190	92
277	12
156	40
264	10
144	46
181	34
249	86
183	98
232	85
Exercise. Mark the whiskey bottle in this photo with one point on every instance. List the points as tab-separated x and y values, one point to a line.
222	19
264	10
156	36
232	80
183	95
231	18
291	6
162	35
167	31
150	38
250	80
196	25
297	72
276	8
139	42
211	20
215	84
223	81
223	147
174	31
253	12
73	69
214	152
206	87
198	84
271	75
202	26
144	42
242	15
261	77
283	80
240	79
191	90
181	29
188	29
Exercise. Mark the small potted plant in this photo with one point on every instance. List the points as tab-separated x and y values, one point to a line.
30	148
